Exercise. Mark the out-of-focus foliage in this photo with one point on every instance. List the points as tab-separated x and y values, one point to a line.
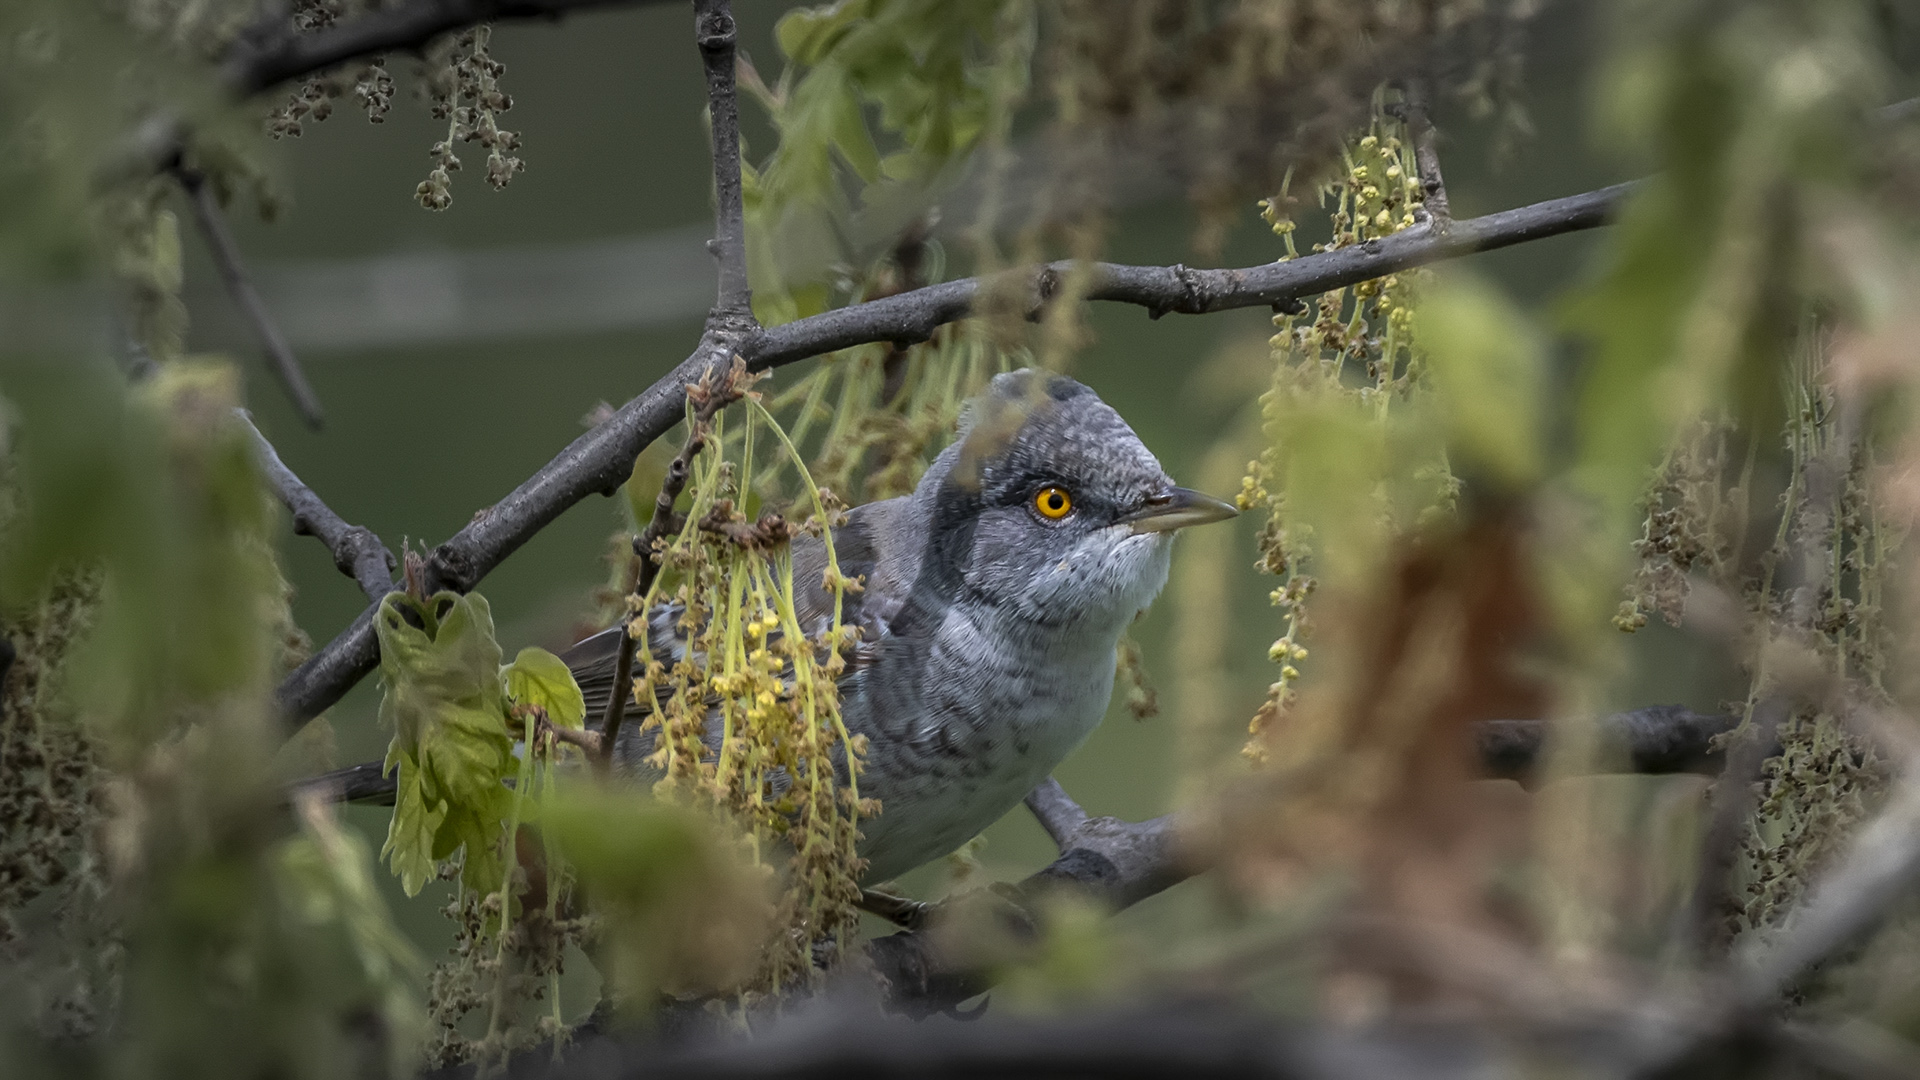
1742	406
196	929
1233	97
939	76
680	912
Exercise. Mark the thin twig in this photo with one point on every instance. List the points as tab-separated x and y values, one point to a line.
1426	157
731	318
914	316
714	31
356	550
601	460
233	273
366	782
715	392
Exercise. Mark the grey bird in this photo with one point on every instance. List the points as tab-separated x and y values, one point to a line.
994	598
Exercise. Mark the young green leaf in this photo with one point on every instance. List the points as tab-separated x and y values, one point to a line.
441	672
537	677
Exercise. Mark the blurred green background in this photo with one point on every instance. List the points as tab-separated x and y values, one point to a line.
421	436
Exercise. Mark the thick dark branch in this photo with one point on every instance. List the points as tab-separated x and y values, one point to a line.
356	550
1192	1041
271	54
1655	740
714	31
913	316
233	273
601	460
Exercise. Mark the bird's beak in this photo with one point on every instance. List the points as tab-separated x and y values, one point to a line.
1177	508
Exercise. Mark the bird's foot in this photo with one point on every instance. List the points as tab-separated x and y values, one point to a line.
1001	902
901	911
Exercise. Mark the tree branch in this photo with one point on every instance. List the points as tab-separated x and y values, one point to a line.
362	783
356	550
601	459
731	317
274	51
1191	1040
1655	740
714	30
913	316
1057	812
233	273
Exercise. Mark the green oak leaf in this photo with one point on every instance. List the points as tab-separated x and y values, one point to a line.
440	666
537	677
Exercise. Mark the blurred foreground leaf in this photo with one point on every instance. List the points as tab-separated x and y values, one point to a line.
681	909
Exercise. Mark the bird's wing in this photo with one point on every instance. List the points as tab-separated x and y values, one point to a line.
872	548
593	659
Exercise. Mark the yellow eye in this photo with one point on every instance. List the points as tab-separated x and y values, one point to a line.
1053	502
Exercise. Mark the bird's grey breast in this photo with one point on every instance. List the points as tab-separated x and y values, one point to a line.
962	724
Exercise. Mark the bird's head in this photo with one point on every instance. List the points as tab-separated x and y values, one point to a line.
1050	508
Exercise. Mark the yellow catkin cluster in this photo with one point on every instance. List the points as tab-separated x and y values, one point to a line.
785	765
1358	342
